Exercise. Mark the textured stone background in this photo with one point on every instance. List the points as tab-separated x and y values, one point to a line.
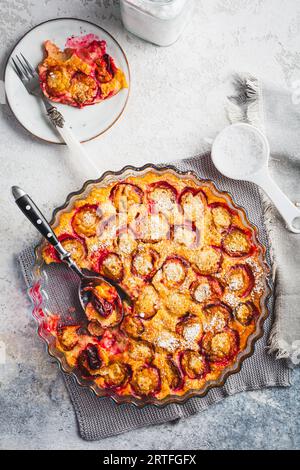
176	99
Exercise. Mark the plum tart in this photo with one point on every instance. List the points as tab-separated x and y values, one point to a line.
82	74
195	272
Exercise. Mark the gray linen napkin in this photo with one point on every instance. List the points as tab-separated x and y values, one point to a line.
100	417
276	112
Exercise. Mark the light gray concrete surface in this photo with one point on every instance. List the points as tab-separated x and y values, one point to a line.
176	100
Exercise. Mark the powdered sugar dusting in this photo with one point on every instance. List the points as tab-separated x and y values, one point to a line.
88	218
215	323
236	282
168	341
231	299
173	271
163	200
191	334
142	264
202	292
258	273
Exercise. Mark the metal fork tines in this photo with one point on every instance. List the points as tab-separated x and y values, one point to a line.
30	79
27	74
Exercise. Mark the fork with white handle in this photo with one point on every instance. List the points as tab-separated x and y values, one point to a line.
30	80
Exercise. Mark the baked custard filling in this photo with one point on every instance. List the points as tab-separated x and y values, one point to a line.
193	270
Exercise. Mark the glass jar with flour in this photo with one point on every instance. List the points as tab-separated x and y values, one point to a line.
158	21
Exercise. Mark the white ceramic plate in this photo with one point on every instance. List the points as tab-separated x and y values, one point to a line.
86	123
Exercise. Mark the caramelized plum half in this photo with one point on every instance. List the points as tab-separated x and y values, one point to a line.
209	260
221	347
237	242
193	202
127	241
173	375
141	351
103	305
112	319
187	235
217	317
147	303
132	326
174	271
190	328
111	266
89	361
240	279
68	336
146	381
206	288
93	358
105	69
162	197
245	313
221	214
115	374
144	263
74	246
95	329
177	303
83	88
86	220
194	364
125	195
151	228
102	297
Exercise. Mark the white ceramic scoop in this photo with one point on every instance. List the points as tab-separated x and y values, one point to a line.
242	152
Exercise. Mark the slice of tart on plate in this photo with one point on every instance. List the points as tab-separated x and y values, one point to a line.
82	74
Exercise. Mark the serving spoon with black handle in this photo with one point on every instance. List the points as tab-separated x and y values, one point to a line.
87	281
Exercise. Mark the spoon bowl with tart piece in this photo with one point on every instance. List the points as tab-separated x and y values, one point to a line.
101	298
